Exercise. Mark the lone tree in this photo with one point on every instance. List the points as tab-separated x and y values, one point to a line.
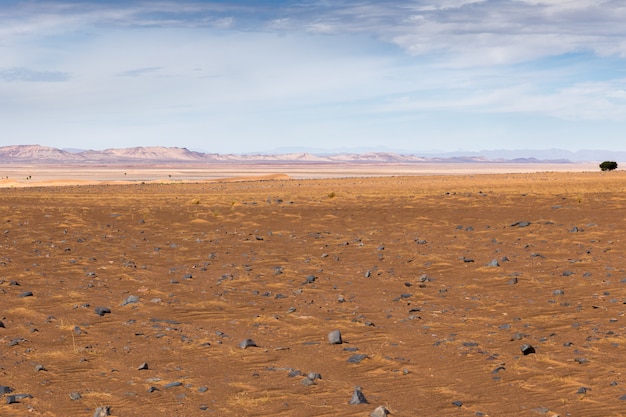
608	165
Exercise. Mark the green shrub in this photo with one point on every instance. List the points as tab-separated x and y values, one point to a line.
608	165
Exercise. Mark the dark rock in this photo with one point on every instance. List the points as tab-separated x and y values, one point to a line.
498	369
247	343
467	260
457	403
493	263
334	337
357	358
26	294
527	349
1	325
558	292
152	389
521	224
75	396
5	389
202	389
173	384
581	360
357	397
40	368
142	367
512	281
101	311
310	279
567	273
583	390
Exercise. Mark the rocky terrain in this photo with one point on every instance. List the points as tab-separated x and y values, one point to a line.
473	295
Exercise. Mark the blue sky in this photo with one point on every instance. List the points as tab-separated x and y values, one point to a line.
259	76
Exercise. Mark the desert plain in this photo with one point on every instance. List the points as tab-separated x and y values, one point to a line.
455	295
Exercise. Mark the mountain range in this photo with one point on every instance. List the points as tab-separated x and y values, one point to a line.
158	154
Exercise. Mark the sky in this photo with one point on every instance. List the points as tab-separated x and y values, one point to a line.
263	76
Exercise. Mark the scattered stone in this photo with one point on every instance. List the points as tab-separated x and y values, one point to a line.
521	224
173	384
101	311
467	260
15	398
142	367
103	411
493	263
558	292
203	389
26	294
75	396
581	360
512	281
457	403
357	358
380	411
567	273
247	343
310	279
1	325
5	389
498	369
131	299
527	349
583	390
40	368
334	337
308	381
358	397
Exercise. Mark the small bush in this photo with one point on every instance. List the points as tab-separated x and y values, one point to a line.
608	165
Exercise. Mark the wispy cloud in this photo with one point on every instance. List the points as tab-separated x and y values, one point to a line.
139	72
28	75
312	68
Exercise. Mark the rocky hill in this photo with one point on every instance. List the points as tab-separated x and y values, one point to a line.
22	154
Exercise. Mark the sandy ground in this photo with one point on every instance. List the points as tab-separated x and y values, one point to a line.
42	174
438	281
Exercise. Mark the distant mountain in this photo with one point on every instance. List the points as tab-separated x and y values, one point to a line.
36	153
532	155
163	155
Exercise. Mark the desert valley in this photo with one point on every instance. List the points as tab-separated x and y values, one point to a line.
464	294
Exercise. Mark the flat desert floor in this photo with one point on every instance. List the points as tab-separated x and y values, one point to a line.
217	298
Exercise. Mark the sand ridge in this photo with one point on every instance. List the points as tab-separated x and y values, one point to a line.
437	281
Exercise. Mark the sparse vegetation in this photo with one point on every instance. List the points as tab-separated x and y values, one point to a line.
608	165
